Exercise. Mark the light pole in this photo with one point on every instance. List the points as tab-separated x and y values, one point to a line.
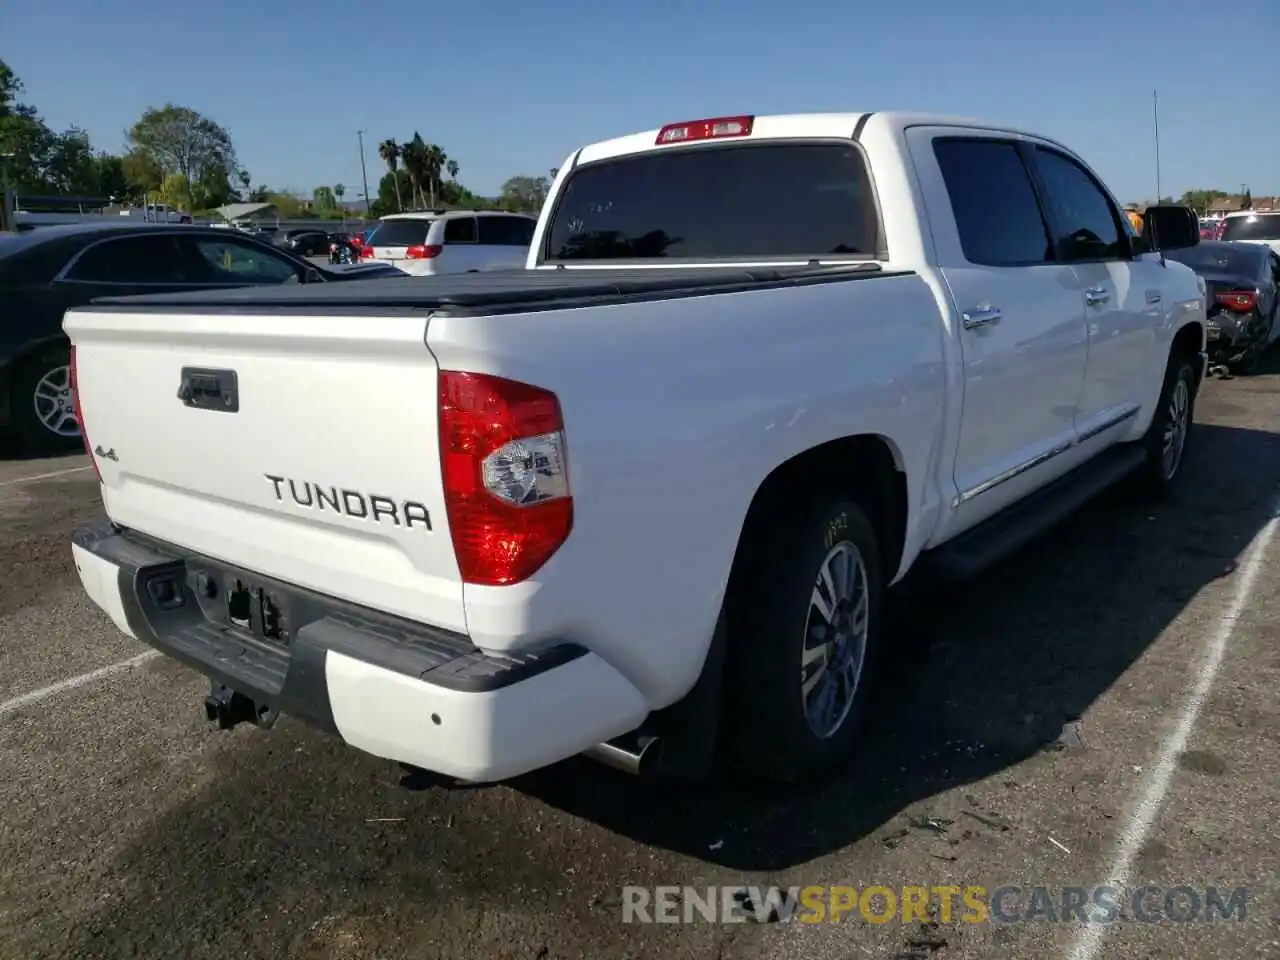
364	175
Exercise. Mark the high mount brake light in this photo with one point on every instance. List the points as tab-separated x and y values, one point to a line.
690	131
506	479
1240	301
74	377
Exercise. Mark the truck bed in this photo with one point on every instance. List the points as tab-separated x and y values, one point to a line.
497	291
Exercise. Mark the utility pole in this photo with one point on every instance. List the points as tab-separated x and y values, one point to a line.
364	176
1155	118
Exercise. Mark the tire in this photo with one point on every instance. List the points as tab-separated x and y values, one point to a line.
1168	438
774	623
39	391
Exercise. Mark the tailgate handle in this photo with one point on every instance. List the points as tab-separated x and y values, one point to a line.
207	389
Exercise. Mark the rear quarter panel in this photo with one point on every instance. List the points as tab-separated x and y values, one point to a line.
675	412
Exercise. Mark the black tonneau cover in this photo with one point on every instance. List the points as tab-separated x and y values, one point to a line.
495	291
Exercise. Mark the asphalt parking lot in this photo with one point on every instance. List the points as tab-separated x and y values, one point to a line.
1103	707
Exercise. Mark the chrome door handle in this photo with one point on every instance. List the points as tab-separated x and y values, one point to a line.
1096	295
980	317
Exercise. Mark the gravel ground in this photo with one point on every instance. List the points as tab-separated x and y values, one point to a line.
1034	732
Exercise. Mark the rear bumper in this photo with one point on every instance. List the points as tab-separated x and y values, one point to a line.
394	688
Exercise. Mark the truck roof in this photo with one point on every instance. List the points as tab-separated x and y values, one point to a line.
784	125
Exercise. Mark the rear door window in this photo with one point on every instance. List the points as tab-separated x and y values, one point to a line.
744	201
994	203
132	260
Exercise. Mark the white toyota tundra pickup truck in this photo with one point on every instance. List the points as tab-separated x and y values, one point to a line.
643	499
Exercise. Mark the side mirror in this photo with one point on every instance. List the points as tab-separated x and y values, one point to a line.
1170	227
312	275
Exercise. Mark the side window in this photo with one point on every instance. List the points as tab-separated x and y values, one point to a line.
994	203
226	261
132	260
506	231
1086	222
460	230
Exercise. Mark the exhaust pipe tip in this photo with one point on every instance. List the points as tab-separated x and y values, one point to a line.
635	754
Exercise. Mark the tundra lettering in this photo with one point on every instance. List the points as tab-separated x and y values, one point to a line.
352	503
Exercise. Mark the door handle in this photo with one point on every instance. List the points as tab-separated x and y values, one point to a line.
1095	296
980	317
1153	296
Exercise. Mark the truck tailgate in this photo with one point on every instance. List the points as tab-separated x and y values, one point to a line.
301	447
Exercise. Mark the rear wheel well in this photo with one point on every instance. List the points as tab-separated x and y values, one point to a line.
865	468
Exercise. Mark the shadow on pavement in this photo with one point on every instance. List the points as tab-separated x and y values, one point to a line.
279	857
984	675
11	449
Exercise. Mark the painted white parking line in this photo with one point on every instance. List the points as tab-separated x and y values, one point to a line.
1155	788
45	476
35	696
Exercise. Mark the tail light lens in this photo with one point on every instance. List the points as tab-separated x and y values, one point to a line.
506	479
366	253
423	251
1239	301
75	402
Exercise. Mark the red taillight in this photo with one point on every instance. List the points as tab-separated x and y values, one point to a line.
366	253
713	129
1240	301
506	479
75	405
423	251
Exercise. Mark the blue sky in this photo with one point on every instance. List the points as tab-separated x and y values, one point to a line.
511	87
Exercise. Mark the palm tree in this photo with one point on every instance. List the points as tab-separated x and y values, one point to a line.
435	162
416	164
389	151
452	167
338	191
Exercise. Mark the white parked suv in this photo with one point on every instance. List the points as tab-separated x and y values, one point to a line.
643	498
1253	226
451	241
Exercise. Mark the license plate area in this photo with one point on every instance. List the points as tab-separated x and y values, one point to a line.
246	605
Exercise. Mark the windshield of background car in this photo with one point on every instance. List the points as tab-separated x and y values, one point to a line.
1220	258
400	233
1262	226
748	200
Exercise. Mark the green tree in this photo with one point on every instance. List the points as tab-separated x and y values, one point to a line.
142	172
389	151
524	194
322	198
180	140
23	136
339	191
112	181
176	191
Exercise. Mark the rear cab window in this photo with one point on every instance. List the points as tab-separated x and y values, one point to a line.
764	200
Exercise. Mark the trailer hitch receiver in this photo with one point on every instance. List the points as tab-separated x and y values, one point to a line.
227	708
